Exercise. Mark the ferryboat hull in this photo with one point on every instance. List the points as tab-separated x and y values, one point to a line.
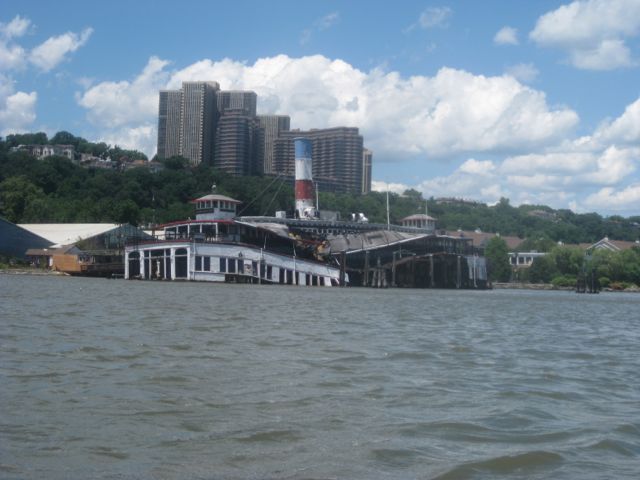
224	262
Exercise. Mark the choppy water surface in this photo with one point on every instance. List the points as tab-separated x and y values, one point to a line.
117	379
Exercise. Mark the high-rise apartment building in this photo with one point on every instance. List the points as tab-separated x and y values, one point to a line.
367	161
169	123
238	139
272	126
198	121
336	153
238	149
237	100
187	122
206	125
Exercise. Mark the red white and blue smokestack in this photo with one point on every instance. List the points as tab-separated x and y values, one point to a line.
305	207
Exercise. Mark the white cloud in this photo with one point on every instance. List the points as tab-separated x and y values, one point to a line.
506	36
449	115
584	174
143	138
465	183
623	200
49	54
12	56
17	109
476	167
319	25
435	17
523	72
612	166
328	21
442	116
624	129
398	188
117	104
15	28
592	32
566	162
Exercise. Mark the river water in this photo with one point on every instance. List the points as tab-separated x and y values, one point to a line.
115	379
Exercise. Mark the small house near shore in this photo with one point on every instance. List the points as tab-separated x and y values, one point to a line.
94	249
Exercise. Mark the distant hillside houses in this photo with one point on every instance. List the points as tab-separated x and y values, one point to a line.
43	151
456	201
87	160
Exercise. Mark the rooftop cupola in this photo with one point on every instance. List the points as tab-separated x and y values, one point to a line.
215	207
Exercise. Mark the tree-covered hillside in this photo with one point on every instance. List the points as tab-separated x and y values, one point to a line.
56	189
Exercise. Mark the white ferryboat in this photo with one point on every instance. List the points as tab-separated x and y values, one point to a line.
216	247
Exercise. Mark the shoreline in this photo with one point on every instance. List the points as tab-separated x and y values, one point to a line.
549	286
31	271
495	286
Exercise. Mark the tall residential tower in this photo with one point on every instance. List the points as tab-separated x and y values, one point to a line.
187	120
169	123
272	126
198	120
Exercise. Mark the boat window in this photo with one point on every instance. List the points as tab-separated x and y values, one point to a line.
321	281
232	265
269	272
223	264
241	266
282	278
198	263
134	255
207	264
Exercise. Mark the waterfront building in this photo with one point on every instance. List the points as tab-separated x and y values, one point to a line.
93	249
337	157
272	126
169	123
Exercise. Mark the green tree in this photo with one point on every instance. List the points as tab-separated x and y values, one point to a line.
568	259
542	270
497	255
17	195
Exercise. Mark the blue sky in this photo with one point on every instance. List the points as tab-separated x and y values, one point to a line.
535	101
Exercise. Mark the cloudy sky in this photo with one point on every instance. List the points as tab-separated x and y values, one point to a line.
535	101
